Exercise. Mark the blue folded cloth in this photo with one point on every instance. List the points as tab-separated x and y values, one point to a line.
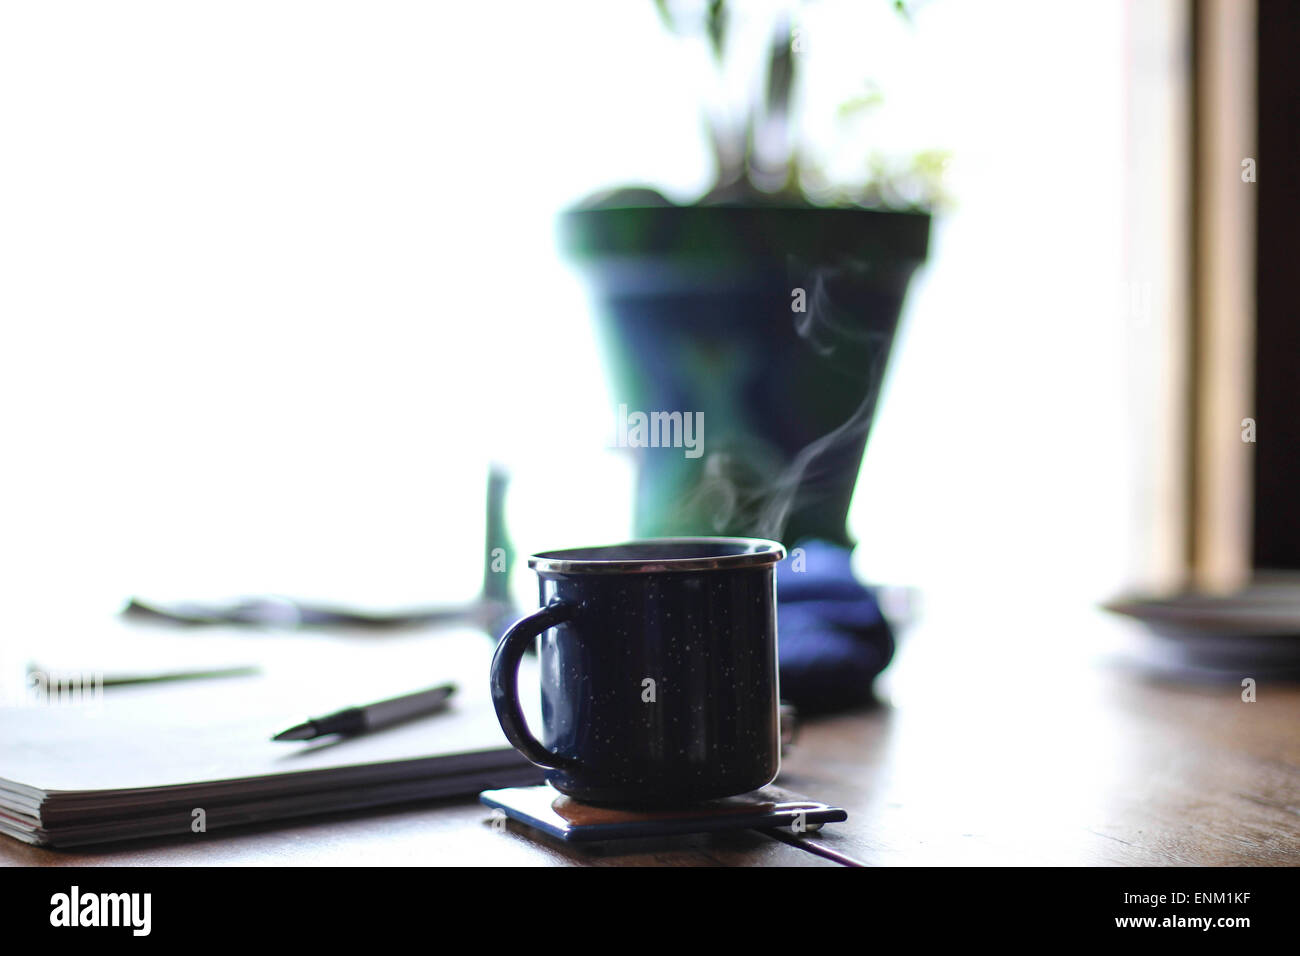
833	638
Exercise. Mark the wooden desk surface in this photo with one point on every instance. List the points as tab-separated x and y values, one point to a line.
999	746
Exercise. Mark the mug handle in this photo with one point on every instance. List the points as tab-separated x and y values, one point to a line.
505	682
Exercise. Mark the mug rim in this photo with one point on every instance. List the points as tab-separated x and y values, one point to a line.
757	553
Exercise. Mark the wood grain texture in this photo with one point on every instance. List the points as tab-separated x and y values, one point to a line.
443	833
1032	751
1000	746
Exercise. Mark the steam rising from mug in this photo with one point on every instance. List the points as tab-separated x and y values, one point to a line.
732	491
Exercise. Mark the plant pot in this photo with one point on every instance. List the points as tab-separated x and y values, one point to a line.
699	311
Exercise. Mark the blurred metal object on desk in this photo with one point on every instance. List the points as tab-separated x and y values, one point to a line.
492	611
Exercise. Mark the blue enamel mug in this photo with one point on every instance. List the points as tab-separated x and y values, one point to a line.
658	671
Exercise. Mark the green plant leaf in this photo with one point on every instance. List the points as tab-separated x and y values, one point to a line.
716	26
780	71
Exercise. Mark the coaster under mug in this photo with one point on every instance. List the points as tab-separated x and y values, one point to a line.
544	808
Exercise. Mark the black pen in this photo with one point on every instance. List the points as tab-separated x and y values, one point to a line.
359	720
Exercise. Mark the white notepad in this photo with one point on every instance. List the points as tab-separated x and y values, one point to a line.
145	760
